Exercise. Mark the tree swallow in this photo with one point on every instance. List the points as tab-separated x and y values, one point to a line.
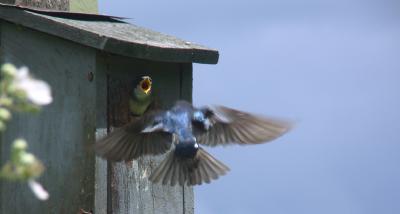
141	97
184	127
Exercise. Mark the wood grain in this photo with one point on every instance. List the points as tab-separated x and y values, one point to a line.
113	36
131	191
61	5
63	133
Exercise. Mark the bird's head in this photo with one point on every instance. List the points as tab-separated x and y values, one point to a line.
143	87
145	84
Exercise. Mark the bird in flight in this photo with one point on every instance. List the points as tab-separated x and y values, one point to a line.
180	131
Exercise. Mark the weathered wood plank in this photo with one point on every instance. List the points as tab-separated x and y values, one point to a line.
8	1
100	195
131	192
62	5
83	6
63	133
101	176
186	73
114	37
2	158
66	14
100	79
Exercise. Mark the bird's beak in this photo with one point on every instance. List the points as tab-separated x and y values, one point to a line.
145	85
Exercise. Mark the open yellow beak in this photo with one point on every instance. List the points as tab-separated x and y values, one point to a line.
145	85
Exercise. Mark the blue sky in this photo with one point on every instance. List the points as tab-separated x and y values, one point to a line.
332	66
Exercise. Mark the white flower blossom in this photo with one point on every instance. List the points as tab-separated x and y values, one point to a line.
20	144
38	190
28	158
37	91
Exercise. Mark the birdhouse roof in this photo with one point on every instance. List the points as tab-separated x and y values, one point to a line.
110	34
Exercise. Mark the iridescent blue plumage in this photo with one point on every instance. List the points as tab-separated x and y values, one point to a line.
178	121
187	127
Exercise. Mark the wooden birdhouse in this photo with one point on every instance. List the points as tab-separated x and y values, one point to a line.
90	62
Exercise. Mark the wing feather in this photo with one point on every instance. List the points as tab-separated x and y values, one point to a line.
128	142
230	126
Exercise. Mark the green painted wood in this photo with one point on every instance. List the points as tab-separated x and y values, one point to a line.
130	191
63	133
84	6
113	36
101	130
79	109
186	87
186	72
100	196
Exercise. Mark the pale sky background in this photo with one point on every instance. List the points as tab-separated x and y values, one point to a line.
332	66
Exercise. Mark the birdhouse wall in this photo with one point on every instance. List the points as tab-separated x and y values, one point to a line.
62	134
129	189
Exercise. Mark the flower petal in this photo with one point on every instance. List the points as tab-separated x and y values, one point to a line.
37	91
38	190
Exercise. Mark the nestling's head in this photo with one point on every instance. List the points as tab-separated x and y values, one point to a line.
145	84
143	87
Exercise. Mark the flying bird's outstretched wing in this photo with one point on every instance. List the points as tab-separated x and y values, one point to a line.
128	142
228	126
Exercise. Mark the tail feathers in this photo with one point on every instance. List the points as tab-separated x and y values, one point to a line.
203	168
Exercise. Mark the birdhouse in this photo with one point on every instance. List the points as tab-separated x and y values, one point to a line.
90	62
